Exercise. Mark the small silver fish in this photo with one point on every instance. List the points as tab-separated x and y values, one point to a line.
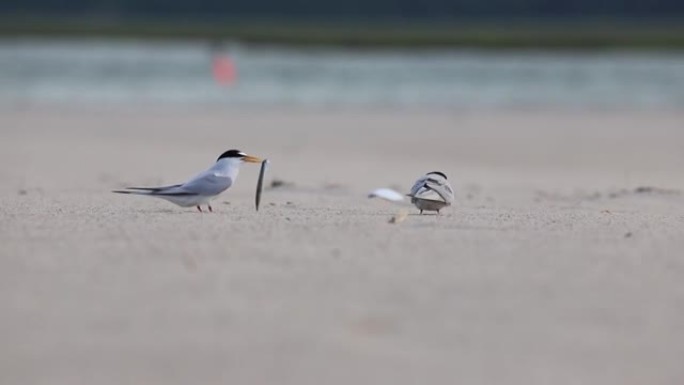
260	183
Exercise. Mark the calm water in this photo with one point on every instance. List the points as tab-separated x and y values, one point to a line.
95	71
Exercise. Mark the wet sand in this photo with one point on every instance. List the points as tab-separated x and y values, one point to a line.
561	261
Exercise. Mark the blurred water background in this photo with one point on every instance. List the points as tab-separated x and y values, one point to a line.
131	72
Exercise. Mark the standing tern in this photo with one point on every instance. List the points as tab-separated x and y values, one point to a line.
202	188
432	192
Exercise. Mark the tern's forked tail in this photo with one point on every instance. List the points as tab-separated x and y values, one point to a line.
134	192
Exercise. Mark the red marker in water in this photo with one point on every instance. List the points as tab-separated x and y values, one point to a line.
224	70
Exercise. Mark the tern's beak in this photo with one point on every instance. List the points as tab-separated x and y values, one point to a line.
251	159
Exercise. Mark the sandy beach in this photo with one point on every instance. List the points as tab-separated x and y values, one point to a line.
560	263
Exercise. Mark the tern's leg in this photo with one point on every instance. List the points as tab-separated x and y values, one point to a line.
210	209
421	212
199	208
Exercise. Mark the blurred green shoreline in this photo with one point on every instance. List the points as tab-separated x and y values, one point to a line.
551	34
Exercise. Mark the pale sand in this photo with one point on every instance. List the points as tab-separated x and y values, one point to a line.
550	269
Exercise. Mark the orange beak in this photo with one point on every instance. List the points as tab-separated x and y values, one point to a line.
251	159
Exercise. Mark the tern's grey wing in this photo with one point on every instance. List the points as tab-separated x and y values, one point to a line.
418	186
432	189
207	183
442	188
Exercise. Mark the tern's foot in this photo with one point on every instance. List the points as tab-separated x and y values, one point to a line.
199	208
210	209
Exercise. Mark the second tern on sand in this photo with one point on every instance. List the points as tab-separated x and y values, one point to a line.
432	192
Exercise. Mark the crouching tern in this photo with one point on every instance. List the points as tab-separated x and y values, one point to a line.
204	187
432	192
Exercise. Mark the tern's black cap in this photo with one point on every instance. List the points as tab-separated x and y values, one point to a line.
438	173
232	154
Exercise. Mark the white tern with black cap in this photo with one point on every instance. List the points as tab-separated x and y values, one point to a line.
204	187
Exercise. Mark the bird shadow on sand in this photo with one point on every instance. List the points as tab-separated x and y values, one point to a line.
174	211
163	211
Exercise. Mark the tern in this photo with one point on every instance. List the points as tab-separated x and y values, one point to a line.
204	187
432	192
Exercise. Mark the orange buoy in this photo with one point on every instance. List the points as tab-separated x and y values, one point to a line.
224	70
